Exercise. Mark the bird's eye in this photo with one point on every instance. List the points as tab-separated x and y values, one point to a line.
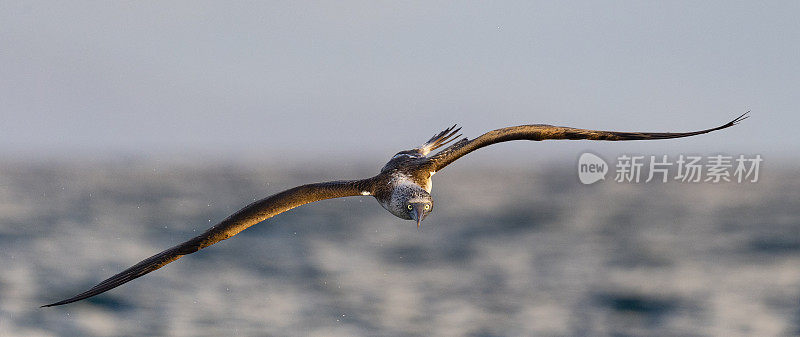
409	207
427	207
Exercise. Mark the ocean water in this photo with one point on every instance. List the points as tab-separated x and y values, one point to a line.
522	253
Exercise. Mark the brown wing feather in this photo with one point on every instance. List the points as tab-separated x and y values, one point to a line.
252	214
544	132
440	139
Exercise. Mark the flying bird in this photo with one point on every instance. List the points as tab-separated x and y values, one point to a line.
402	187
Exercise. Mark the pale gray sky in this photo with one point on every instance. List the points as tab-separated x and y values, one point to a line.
335	77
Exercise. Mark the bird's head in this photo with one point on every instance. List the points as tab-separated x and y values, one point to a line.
416	205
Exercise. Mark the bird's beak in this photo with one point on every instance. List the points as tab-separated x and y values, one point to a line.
418	213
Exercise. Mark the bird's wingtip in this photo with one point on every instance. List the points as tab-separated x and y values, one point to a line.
56	304
741	117
66	301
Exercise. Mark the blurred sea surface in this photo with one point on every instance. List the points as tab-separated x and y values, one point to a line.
506	252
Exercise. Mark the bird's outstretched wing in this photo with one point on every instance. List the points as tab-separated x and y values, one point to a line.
252	214
544	132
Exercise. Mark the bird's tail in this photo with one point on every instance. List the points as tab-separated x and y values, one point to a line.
439	140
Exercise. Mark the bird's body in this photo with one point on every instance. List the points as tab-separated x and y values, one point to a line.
402	187
398	185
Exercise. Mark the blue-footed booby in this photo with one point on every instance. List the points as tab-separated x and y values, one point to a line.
402	187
